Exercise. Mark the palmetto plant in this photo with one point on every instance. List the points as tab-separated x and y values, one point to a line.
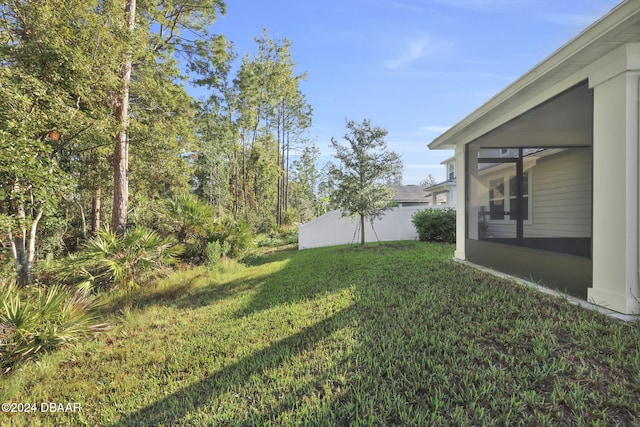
190	220
121	262
189	217
34	320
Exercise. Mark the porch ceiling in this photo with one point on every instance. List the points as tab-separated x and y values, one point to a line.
618	27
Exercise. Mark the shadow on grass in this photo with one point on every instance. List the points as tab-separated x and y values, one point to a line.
175	407
147	297
307	275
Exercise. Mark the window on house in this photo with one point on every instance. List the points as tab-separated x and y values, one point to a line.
503	202
452	171
496	199
513	197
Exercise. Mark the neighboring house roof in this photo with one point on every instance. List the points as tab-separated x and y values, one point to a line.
442	186
614	30
450	159
410	194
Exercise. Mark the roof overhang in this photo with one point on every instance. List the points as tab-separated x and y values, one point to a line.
619	27
441	187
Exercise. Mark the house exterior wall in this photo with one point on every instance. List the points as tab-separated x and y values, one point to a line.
561	179
607	55
560	197
616	182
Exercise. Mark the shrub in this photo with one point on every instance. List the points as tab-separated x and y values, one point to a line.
436	225
188	218
121	262
35	320
284	236
236	233
217	251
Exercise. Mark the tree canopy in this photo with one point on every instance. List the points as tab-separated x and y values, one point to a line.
95	108
367	169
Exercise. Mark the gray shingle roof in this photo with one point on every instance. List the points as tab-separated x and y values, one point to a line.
409	193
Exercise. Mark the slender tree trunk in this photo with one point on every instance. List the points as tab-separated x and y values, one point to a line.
31	253
282	172
18	252
279	194
83	218
361	229
286	177
235	184
23	248
244	178
121	150
96	201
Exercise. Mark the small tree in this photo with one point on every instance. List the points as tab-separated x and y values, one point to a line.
429	181
366	168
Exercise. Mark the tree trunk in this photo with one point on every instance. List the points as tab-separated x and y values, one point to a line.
361	230
286	177
95	211
31	253
82	218
23	249
244	178
18	251
121	150
279	193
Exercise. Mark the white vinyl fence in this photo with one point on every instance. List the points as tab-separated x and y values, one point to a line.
332	229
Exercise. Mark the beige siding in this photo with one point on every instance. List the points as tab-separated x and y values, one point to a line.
560	198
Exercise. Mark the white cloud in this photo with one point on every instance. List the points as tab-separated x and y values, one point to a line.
413	49
424	166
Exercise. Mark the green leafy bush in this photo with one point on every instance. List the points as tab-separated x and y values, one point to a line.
35	320
193	223
283	236
216	251
236	233
436	225
189	219
120	262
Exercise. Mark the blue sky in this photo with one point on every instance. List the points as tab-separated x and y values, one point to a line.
413	67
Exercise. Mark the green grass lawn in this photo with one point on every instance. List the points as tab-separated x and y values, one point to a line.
390	334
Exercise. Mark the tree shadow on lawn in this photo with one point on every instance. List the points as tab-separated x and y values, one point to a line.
152	296
306	276
187	294
196	397
396	314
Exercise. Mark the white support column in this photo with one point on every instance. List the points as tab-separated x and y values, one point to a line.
460	203
616	190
